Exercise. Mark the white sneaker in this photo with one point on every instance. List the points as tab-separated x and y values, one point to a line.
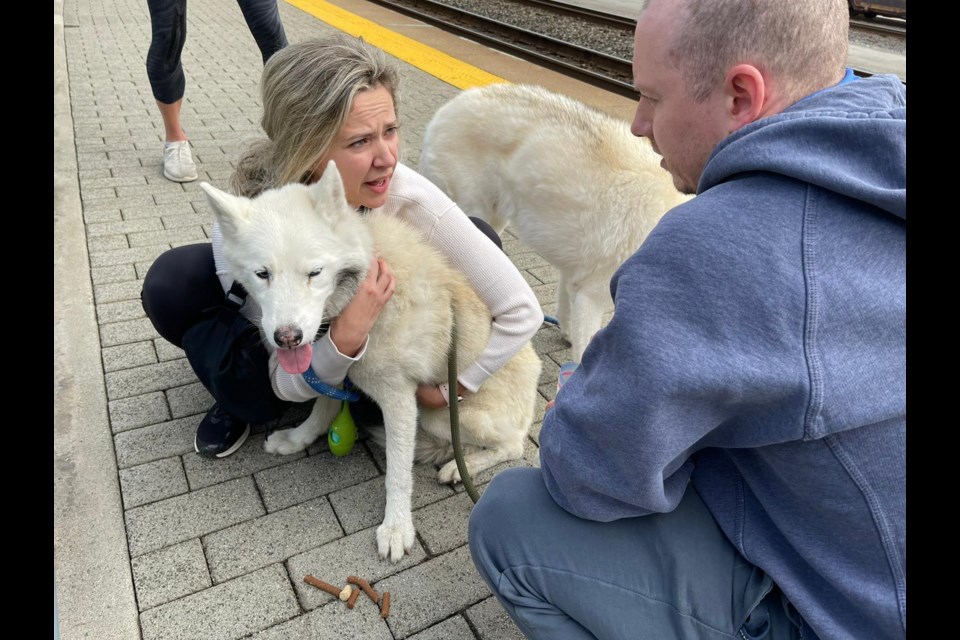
178	162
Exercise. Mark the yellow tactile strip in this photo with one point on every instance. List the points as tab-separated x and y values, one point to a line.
436	63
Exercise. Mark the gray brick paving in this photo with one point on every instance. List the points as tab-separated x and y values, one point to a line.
313	476
154	442
118	203
181	235
130	355
153	377
113	274
354	555
361	505
170	573
334	620
109	258
250	458
100	244
233	609
124	227
103	215
219	548
152	482
189	399
127	289
138	411
112	312
257	543
443	525
178	205
491	621
184	220
173	520
432	591
167	351
455	628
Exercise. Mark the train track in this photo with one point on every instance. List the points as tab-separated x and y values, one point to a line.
553	27
883	26
479	21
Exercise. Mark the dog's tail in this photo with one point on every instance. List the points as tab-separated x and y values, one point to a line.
429	450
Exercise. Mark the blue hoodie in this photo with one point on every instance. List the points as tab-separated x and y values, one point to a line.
758	351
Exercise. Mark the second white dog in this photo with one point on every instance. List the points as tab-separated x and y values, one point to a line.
574	184
300	252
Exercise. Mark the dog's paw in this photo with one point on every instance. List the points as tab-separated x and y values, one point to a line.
394	539
285	442
449	473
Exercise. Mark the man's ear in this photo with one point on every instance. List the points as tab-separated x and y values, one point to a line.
746	93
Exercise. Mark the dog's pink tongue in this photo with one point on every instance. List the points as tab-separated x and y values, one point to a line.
295	360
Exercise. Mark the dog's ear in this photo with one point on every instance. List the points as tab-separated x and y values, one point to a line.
229	210
329	188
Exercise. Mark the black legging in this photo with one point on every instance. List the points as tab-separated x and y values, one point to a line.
183	282
168	22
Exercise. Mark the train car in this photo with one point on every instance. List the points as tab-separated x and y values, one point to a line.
890	8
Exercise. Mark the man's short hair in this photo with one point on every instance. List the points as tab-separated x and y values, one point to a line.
801	43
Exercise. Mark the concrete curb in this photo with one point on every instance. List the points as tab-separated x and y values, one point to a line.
94	589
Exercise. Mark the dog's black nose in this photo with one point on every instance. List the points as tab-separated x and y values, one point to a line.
288	336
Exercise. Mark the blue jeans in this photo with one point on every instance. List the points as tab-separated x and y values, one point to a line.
670	575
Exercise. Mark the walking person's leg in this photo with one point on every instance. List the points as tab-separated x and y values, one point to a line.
168	23
263	20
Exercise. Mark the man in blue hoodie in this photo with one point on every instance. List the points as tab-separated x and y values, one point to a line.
729	460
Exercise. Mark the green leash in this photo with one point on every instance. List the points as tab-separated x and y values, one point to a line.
455	417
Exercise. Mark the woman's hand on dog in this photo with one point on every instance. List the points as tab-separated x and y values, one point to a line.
429	396
349	330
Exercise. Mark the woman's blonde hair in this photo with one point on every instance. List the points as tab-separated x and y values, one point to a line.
307	90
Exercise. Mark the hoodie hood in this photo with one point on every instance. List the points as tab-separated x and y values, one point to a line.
835	122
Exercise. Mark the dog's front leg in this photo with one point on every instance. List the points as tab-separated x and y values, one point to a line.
287	441
396	535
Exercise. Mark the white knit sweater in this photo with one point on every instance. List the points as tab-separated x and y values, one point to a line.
513	306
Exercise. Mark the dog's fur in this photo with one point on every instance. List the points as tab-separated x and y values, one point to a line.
289	233
574	184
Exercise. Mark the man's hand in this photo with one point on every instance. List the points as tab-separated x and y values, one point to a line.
429	396
349	330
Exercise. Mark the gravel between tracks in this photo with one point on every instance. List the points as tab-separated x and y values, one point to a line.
608	40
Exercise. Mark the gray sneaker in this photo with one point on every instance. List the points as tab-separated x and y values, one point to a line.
178	162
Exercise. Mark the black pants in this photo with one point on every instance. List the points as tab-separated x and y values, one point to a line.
183	282
168	22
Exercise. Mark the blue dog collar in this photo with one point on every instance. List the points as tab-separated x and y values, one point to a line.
347	394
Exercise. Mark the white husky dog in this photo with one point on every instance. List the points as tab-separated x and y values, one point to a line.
301	251
574	184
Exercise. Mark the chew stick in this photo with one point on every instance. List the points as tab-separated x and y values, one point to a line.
385	605
353	598
320	584
367	589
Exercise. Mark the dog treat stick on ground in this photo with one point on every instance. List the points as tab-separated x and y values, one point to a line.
324	586
385	605
367	589
352	601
